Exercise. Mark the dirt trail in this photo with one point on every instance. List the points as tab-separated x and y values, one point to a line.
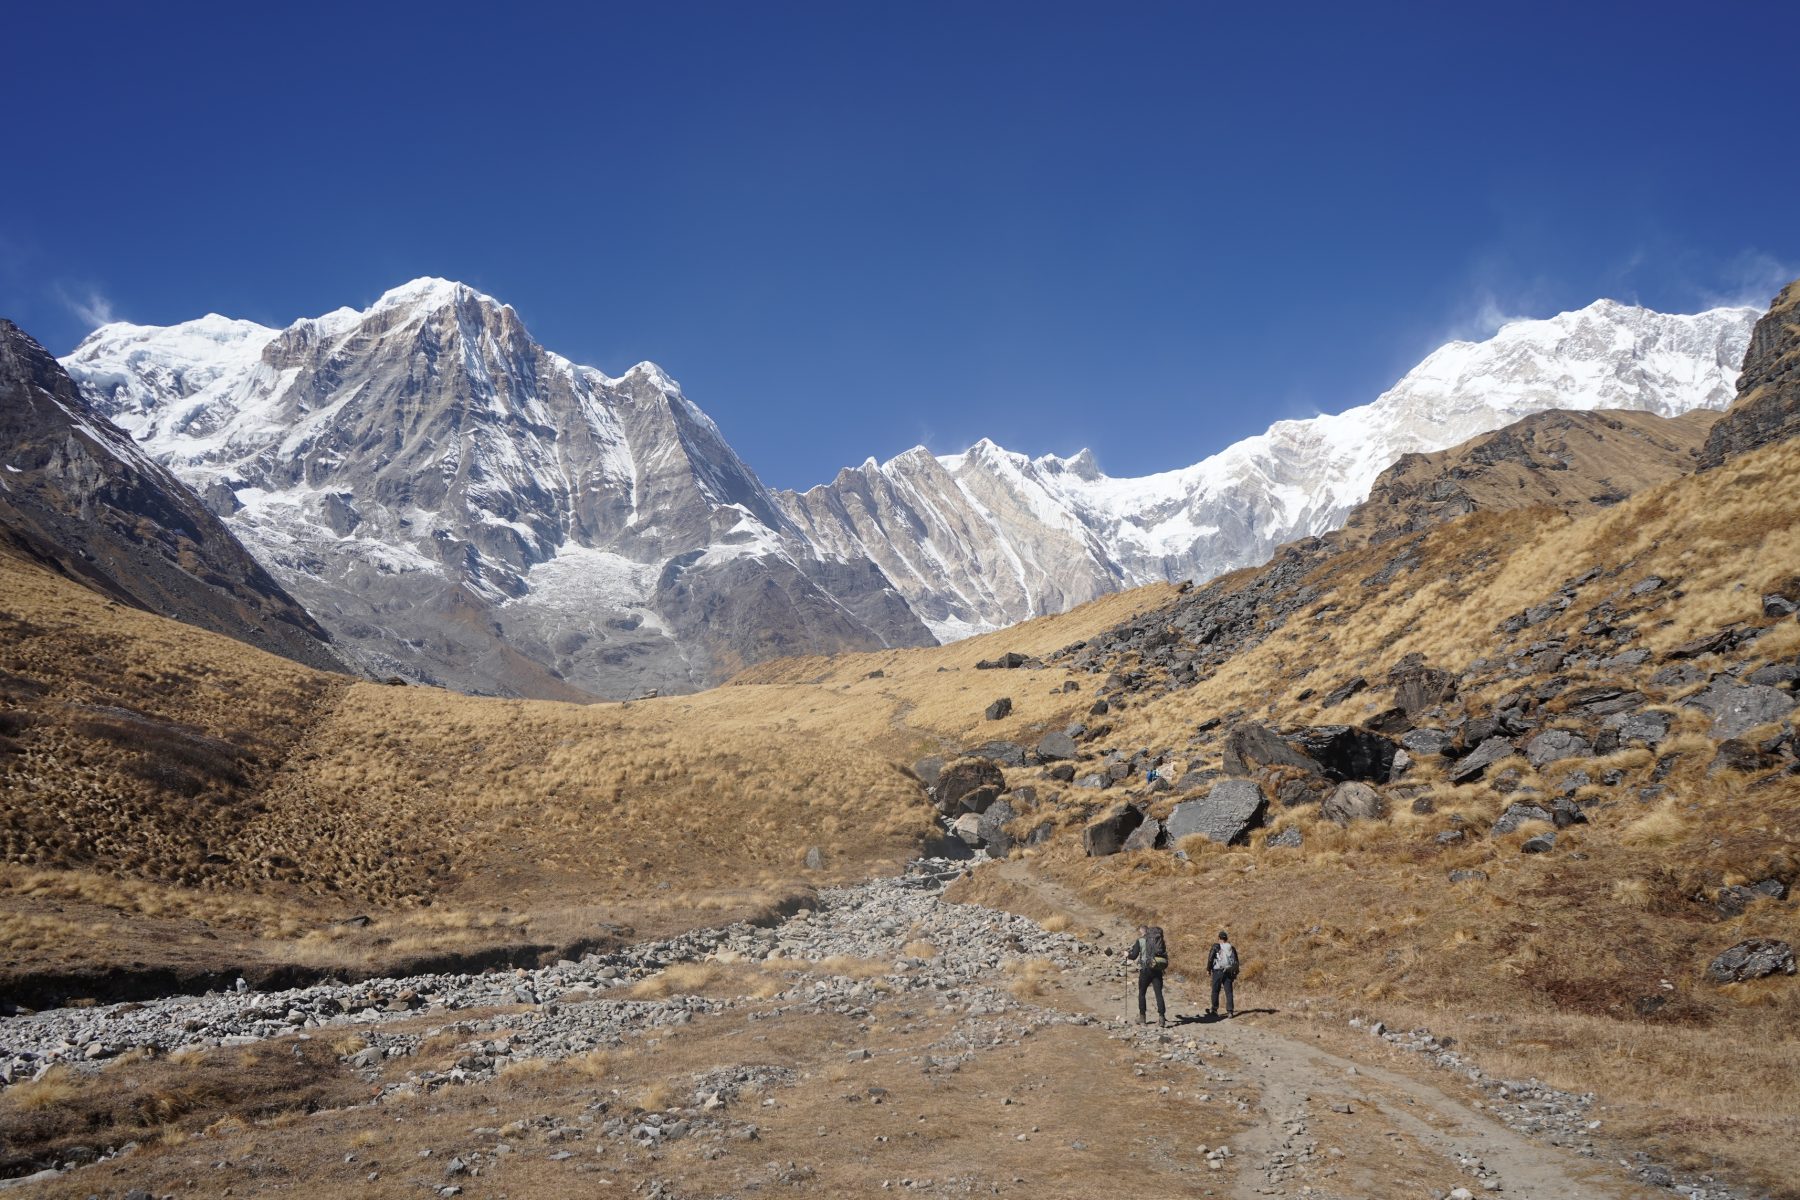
1312	1099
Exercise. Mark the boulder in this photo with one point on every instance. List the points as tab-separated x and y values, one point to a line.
1006	662
1601	700
1735	754
1302	789
815	859
1775	675
1106	833
1778	606
1468	875
1343	691
1420	688
927	769
1289	838
1347	752
1423	741
1712	643
1752	959
999	709
1249	746
968	828
1063	772
1554	745
992	828
1226	814
1353	801
1543	843
1519	814
1646	727
1737	707
968	784
1470	767
1056	745
1147	836
1007	754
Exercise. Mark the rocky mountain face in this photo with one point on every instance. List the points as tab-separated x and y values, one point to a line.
79	496
1571	460
459	505
983	539
1767	408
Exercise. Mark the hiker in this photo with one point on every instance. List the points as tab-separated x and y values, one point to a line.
1151	953
1223	963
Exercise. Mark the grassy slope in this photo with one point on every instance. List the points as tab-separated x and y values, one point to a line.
1543	968
173	798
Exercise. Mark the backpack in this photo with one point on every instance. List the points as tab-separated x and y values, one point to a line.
1225	957
1156	950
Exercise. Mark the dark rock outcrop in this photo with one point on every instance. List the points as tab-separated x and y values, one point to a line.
969	784
78	497
1107	833
1752	958
1767	408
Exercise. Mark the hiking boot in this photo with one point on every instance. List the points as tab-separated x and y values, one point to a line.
1162	1022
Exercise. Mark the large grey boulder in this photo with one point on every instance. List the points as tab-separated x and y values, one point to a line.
1106	833
1519	814
1249	746
1056	745
992	828
1000	709
1554	745
1470	767
1737	708
1752	959
968	828
1353	801
1228	812
1646	727
968	784
1425	740
1147	836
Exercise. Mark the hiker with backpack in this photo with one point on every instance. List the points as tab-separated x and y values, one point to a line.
1151	953
1223	964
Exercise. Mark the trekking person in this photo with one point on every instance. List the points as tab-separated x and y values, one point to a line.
1223	963
1151	953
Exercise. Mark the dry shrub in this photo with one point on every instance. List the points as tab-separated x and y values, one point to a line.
1029	977
919	949
1057	923
678	980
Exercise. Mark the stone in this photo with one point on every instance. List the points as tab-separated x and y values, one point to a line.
1752	958
1147	836
1646	727
1646	585
1347	752
928	769
1106	834
1056	745
1543	843
1775	675
1005	754
968	828
1344	691
1100	707
1779	606
1602	700
1249	746
1000	709
1518	814
1468	875
1289	838
992	828
1062	772
1471	766
1735	754
1737	708
968	780
1226	814
815	859
1353	801
1450	837
1307	789
1419	688
1712	643
1425	741
1555	745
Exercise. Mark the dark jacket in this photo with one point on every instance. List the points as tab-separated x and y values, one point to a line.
1141	952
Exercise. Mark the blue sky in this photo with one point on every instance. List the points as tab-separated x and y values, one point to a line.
850	228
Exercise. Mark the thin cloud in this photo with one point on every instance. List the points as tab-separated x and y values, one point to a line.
1749	280
88	305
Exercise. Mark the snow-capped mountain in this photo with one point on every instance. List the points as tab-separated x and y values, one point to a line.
986	538
457	504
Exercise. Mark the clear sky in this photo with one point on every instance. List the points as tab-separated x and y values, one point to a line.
852	227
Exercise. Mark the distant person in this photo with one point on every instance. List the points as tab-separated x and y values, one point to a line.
1151	953
1223	963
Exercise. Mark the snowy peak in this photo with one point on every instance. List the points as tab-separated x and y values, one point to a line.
988	537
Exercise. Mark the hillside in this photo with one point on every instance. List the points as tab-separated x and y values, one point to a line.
77	495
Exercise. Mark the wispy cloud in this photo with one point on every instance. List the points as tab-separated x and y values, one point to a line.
88	304
1750	279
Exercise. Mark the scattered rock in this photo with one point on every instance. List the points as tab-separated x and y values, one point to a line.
1056	745
1554	745
1737	708
1226	814
1471	766
1289	838
1543	843
999	709
969	784
1353	801
1106	834
1147	836
1753	958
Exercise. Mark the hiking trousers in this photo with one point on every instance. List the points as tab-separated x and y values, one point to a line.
1225	979
1151	977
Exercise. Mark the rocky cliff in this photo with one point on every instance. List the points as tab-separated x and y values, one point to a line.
77	495
1767	408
